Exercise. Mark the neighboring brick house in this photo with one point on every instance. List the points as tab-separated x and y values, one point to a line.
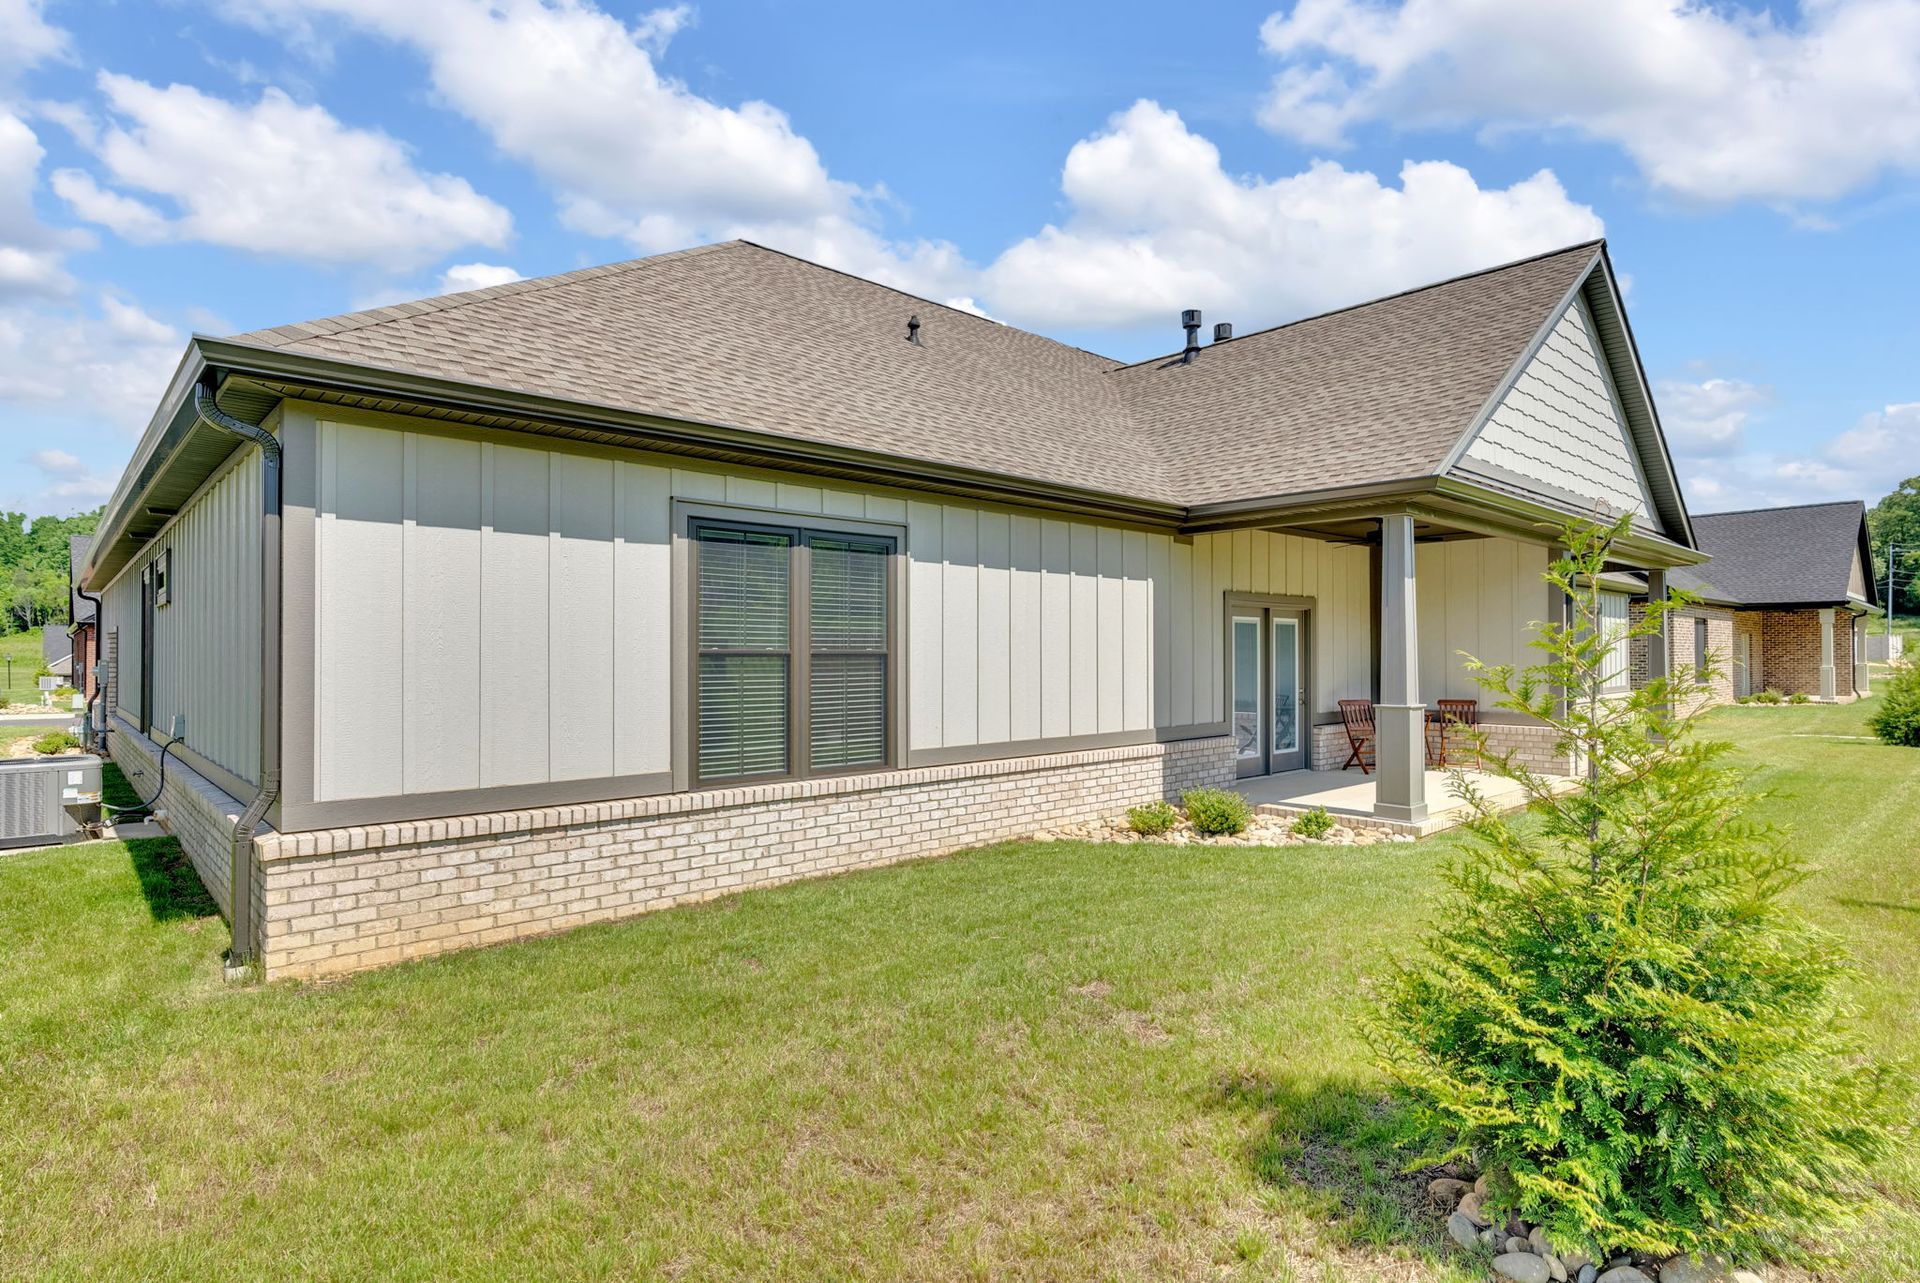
562	600
82	640
1783	602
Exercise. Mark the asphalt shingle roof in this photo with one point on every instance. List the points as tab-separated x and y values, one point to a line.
741	335
80	608
1776	556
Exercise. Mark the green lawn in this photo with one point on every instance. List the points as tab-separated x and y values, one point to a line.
24	650
1029	1062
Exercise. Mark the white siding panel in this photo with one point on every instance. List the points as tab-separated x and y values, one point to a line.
995	623
359	635
1056	628
580	618
1111	625
515	603
960	625
440	616
1083	659
642	690
926	683
1024	625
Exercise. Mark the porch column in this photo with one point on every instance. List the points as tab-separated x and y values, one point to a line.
1400	716
1659	644
1827	684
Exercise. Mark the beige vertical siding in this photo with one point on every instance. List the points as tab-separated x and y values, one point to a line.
497	611
206	657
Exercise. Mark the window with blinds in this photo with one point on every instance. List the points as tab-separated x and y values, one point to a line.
794	665
1614	676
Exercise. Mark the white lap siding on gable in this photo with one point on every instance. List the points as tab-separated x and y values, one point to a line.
495	611
1559	426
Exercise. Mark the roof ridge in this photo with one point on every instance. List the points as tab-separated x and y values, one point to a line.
1596	243
1784	507
921	298
367	318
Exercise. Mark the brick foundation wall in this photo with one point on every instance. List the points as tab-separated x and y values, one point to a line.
196	811
342	900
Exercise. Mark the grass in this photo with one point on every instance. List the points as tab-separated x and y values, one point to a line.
1026	1062
22	687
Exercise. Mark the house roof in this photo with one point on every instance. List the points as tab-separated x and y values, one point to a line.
739	334
54	643
1799	556
79	609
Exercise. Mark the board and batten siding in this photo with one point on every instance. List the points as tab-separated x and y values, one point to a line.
1560	424
206	642
497	610
1475	597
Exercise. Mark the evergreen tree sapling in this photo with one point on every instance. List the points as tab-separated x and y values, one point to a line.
1616	1014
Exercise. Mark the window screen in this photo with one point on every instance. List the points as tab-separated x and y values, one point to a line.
794	668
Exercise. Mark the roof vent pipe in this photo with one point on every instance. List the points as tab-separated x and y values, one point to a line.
1223	331
913	330
1190	320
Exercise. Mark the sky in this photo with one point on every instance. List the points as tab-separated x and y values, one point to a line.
1087	171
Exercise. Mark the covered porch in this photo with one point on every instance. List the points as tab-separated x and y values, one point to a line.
1451	574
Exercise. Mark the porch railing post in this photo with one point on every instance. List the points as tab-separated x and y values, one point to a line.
1400	715
1829	686
1659	645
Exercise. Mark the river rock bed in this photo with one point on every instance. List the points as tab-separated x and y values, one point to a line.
1261	830
1522	1253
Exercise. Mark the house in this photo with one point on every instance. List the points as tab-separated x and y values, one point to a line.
56	654
81	643
557	601
1783	604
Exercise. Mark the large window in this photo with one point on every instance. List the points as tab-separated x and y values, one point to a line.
1614	673
794	671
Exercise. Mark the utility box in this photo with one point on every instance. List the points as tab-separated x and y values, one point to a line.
45	801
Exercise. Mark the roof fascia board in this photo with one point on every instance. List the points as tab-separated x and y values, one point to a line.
772	449
1479	421
1678	520
1370	500
1864	550
1464	501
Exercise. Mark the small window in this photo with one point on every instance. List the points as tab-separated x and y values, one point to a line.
1614	673
793	674
163	578
1699	648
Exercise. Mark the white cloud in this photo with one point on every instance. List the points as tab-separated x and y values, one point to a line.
30	252
270	177
476	276
26	38
1713	102
108	363
1864	461
576	95
1708	416
1157	224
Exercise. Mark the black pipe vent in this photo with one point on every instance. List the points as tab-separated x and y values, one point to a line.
913	330
1223	331
1190	321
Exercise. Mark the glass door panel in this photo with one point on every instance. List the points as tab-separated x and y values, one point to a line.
1286	685
1249	743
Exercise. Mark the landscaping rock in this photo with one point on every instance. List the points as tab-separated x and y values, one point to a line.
1746	1276
1537	1242
1623	1274
1480	1185
1521	1267
1470	1206
1517	1244
1573	1258
1463	1230
1586	1273
1554	1268
1690	1269
1493	1240
1447	1191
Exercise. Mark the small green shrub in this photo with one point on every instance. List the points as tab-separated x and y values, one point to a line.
1151	819
1314	825
1897	720
63	693
55	742
1799	697
1770	696
1216	812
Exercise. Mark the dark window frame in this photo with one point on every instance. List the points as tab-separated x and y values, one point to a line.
800	648
1699	648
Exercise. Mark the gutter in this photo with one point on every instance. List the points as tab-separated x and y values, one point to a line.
240	910
99	687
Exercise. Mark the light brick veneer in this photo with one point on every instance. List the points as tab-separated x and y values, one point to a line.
341	900
196	811
1530	743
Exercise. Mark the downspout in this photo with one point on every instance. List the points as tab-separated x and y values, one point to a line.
240	912
99	686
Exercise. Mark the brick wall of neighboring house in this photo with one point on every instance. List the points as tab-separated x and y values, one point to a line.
1791	641
342	900
1681	625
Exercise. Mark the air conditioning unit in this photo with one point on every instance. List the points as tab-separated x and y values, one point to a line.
47	800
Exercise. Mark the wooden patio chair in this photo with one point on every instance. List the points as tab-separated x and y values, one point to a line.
1455	712
1357	716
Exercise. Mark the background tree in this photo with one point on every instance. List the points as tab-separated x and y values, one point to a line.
34	567
1896	520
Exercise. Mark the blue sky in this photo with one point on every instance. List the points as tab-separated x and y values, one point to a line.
1086	171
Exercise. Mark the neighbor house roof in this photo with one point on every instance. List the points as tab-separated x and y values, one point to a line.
79	609
54	643
1799	556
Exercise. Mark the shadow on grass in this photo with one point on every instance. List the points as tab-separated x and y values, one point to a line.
1852	903
167	880
1345	1145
